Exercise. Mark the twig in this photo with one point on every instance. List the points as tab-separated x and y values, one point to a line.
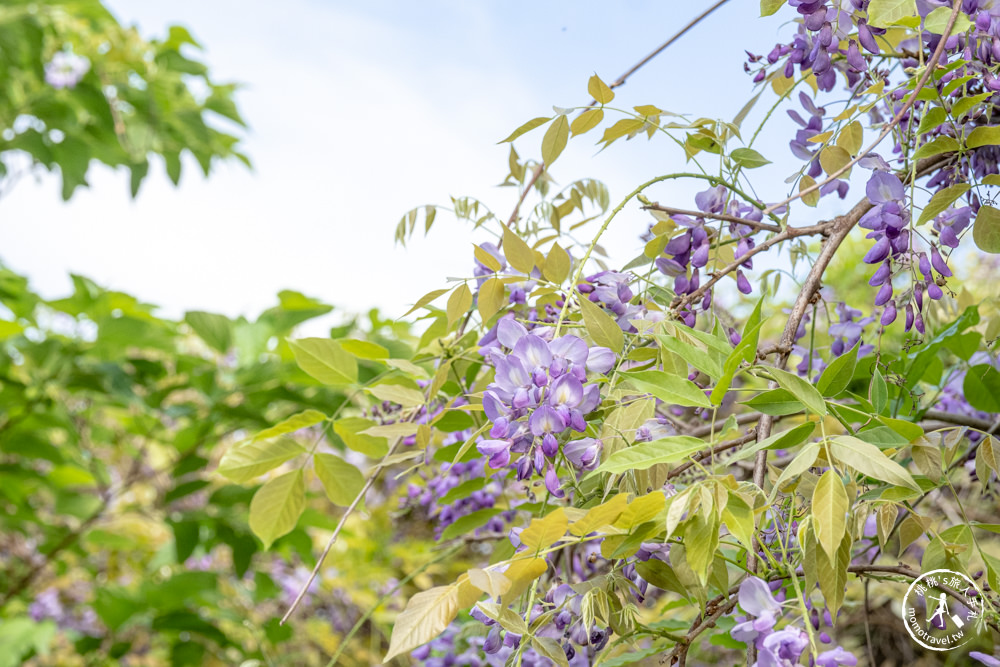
764	226
620	81
336	531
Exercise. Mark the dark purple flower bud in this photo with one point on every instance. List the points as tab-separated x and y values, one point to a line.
552	483
742	284
866	38
854	57
939	264
881	274
933	291
889	314
700	256
884	294
918	323
909	318
550	446
878	252
493	641
983	20
584	453
925	267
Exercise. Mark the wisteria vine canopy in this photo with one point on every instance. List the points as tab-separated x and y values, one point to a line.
767	439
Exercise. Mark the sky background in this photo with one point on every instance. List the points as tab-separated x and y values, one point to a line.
361	111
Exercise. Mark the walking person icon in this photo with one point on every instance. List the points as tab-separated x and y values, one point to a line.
937	619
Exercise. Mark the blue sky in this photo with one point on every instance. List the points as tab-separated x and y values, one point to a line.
360	111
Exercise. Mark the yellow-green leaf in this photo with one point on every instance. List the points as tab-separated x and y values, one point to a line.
522	572
325	360
869	460
586	121
554	141
491	298
277	506
829	508
519	254
850	138
493	583
426	615
883	13
812	198
833	159
299	420
599	90
557	264
527	127
602	327
543	533
364	349
486	258
395	393
984	135
350	430
341	481
459	303
986	230
252	459
427	298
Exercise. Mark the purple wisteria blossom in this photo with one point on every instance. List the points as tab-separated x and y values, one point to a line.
539	395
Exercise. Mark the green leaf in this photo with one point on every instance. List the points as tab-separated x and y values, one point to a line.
982	388
701	540
986	230
937	21
468	523
802	462
933	117
299	420
325	360
519	254
829	508
341	481
645	455
837	376
984	135
800	389
433	294
602	327
869	460
669	388
784	440
599	90
554	140
527	127
883	13
941	200
426	615
936	147
363	349
710	361
350	431
277	506
879	392
769	7
775	402
748	158
214	329
252	459
395	393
